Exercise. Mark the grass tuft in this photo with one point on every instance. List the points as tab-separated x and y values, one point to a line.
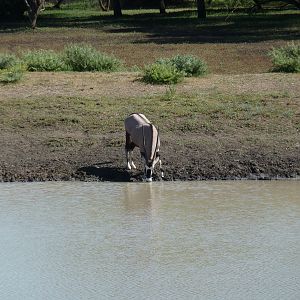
286	59
7	61
12	75
44	61
82	58
162	73
190	65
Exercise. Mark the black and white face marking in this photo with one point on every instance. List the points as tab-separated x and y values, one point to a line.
148	170
149	167
148	173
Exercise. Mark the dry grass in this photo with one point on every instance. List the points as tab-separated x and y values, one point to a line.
127	85
100	102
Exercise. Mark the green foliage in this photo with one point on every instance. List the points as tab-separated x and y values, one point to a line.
75	57
44	61
11	75
7	61
82	57
190	65
286	59
162	73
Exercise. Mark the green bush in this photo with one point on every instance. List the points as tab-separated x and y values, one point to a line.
7	61
162	73
286	59
83	58
12	74
190	65
44	61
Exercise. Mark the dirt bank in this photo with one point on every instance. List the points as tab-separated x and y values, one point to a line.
27	158
237	136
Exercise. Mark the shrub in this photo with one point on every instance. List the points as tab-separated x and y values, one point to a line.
12	74
190	65
162	73
286	59
83	58
44	61
7	61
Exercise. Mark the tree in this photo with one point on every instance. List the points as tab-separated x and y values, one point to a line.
117	8
104	4
33	8
162	6
201	9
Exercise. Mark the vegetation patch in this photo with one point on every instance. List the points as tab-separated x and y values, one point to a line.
84	57
190	65
11	75
162	73
184	113
44	61
7	61
286	59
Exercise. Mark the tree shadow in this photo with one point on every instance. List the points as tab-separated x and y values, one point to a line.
180	28
177	27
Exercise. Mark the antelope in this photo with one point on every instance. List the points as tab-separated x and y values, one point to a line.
142	134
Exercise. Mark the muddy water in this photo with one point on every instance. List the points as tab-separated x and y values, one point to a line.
205	240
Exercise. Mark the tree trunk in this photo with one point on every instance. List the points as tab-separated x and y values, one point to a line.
117	9
162	6
33	7
201	9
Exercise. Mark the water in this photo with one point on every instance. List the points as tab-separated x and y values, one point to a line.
202	240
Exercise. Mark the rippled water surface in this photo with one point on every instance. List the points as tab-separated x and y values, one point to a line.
202	240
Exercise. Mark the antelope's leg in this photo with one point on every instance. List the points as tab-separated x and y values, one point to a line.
160	164
161	169
132	163
129	146
128	150
128	157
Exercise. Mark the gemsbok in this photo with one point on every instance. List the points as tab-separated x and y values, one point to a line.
142	134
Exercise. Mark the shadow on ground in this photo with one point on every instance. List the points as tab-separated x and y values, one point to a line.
176	27
107	171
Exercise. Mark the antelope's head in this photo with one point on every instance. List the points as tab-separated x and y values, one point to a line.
149	167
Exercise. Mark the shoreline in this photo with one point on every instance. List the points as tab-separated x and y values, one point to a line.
58	126
105	167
